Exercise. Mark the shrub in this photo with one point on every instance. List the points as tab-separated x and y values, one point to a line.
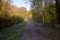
6	22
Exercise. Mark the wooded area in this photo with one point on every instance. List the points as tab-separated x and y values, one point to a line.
40	22
46	11
11	14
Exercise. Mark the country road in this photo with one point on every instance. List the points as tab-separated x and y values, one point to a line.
31	34
29	31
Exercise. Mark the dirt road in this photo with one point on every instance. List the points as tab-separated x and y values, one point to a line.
31	34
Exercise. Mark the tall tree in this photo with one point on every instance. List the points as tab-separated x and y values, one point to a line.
41	11
36	6
5	7
58	10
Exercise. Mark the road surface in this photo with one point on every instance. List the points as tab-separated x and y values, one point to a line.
31	34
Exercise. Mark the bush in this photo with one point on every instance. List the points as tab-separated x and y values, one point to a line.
6	22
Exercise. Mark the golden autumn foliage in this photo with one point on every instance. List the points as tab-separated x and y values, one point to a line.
11	14
21	12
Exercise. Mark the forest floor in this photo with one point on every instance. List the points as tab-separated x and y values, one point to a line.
39	33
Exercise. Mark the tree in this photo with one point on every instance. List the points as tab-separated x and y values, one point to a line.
58	10
5	7
19	11
46	12
50	10
5	10
36	7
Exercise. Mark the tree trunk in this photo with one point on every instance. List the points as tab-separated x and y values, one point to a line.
57	10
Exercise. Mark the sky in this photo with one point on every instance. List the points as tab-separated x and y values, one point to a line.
22	3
